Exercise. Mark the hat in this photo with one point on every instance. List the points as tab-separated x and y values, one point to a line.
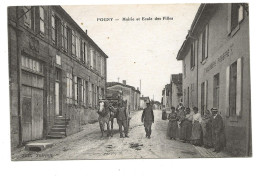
214	109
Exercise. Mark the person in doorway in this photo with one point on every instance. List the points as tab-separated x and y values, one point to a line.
122	119
196	136
218	136
148	119
172	125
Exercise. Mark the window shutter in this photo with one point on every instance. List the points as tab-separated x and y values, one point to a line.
206	95
239	87
201	46
240	13
229	18
227	90
206	40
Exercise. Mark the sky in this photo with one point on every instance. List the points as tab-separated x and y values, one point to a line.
143	50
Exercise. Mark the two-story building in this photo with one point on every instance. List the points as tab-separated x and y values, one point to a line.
56	71
216	69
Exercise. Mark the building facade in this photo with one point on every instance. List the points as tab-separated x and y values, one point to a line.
176	90
130	94
57	73
216	69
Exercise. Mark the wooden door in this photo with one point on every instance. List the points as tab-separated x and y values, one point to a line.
26	113
32	113
37	113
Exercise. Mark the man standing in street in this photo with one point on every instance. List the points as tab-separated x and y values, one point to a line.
218	131
122	119
148	119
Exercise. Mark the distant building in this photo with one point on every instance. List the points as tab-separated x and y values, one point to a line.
157	105
57	74
216	69
143	101
176	90
129	93
166	100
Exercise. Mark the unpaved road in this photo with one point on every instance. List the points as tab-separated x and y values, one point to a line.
88	144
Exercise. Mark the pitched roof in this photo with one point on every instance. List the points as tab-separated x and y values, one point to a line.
111	84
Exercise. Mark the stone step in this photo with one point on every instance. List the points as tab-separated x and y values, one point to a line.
57	129
60	126
55	137
37	146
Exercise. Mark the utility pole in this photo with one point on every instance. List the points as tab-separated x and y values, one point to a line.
140	85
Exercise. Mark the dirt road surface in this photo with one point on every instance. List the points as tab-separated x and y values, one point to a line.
88	144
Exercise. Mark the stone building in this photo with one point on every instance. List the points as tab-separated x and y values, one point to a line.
130	94
57	73
216	70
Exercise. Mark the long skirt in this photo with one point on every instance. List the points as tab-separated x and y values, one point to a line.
207	134
172	129
196	135
186	129
219	140
164	116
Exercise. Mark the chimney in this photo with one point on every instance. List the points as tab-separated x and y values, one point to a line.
86	31
124	82
137	88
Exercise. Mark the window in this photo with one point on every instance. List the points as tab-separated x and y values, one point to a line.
69	88
192	55
91	58
64	36
31	64
85	54
53	28
94	60
58	60
27	16
85	92
237	15
233	88
75	90
69	42
79	91
216	91
42	28
83	51
90	94
73	43
204	43
78	43
93	95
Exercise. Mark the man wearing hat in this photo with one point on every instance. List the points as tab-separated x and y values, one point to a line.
218	131
122	119
148	119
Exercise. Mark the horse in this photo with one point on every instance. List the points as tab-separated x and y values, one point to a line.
106	115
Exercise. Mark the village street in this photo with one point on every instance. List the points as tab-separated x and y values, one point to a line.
88	144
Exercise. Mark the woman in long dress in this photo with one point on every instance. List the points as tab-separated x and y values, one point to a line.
207	129
196	137
186	124
172	125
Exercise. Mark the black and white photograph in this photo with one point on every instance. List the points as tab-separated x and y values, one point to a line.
137	81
